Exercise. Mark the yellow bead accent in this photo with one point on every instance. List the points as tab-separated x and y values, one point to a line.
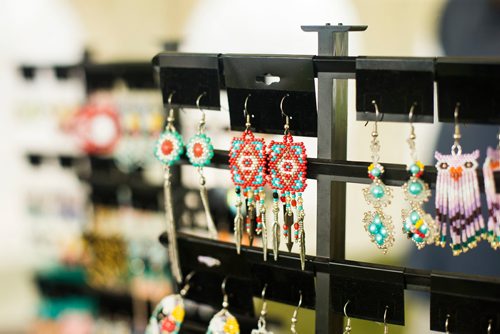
419	223
231	326
178	313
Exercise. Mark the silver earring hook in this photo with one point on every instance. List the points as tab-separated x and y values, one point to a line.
386	326
347	329
295	313
377	113
446	323
225	301
187	286
456	149
287	118
170	118
246	114
201	126
263	312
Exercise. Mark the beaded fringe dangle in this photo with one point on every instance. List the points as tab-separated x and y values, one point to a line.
490	167
457	197
418	225
168	149
200	152
247	163
287	172
377	223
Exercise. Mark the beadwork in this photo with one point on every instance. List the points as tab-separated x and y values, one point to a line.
458	201
491	166
169	147
167	317
200	150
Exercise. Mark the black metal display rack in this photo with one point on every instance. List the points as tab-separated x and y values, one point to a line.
329	280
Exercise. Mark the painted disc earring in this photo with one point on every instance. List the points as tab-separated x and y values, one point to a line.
223	322
377	223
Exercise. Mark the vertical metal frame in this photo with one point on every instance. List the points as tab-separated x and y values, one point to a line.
332	145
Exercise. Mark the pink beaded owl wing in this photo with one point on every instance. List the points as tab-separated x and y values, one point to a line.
287	165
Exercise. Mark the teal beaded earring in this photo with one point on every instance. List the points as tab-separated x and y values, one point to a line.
378	224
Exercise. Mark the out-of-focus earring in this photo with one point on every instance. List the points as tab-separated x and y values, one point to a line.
200	152
490	167
168	150
295	314
261	324
348	328
223	322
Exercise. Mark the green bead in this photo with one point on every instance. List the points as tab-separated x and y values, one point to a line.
424	228
375	172
379	239
406	227
377	220
373	228
414	217
383	231
414	169
377	191
417	238
415	188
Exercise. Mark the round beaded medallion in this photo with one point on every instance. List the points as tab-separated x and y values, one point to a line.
288	165
247	161
169	147
199	150
223	323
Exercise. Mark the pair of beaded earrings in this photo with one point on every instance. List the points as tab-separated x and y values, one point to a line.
417	225
199	151
283	166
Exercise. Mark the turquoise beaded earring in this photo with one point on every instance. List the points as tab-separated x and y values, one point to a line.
378	224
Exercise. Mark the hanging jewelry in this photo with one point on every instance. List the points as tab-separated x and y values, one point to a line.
168	315
295	314
457	196
386	326
223	322
288	170
200	152
168	150
261	324
247	163
490	167
418	225
348	328
377	223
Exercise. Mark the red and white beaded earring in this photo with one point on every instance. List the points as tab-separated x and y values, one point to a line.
287	176
247	163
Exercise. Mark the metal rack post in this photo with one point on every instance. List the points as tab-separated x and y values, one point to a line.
332	145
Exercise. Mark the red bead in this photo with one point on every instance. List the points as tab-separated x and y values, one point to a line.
294	202
245	193
257	197
258	219
168	325
167	147
285	227
296	226
197	150
283	198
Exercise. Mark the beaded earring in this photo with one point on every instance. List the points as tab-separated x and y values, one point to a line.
200	152
168	315
418	225
377	223
223	322
457	197
490	167
287	173
168	150
247	163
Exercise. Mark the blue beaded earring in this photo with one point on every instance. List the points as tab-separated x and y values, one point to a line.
378	224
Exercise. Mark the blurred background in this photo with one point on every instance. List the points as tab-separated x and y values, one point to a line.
76	260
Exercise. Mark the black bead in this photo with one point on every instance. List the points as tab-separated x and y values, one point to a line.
275	195
238	191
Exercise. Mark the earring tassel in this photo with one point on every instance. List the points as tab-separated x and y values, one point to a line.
171	233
